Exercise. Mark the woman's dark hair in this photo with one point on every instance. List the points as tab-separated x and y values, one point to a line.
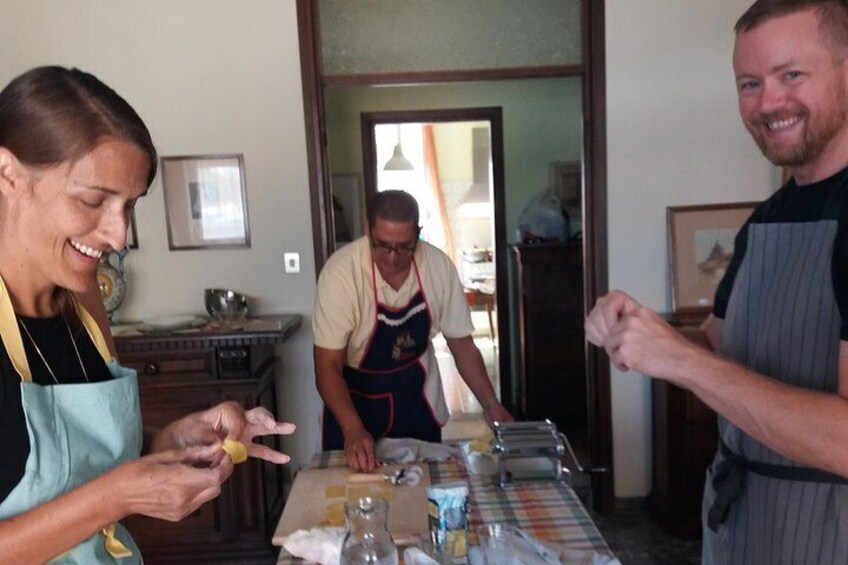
49	115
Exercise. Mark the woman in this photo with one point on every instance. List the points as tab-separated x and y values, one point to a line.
74	159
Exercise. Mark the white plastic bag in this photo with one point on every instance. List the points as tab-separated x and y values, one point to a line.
542	219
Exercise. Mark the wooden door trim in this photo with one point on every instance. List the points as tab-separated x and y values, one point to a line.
493	115
595	253
595	202
464	75
309	40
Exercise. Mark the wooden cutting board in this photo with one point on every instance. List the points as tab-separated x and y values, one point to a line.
307	503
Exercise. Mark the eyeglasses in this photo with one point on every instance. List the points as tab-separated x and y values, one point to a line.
402	249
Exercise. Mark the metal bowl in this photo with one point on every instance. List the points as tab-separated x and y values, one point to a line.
224	305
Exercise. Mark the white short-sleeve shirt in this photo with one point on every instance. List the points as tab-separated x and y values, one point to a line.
345	312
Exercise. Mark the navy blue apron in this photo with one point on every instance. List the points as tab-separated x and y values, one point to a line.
387	389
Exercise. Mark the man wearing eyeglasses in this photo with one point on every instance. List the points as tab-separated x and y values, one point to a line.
379	302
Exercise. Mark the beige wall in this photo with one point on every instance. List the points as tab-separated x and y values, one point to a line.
207	78
674	137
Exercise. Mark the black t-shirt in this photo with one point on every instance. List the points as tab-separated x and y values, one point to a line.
792	204
55	344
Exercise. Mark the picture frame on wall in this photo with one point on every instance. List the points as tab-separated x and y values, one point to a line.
205	201
701	244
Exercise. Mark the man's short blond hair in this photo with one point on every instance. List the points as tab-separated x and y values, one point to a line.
833	19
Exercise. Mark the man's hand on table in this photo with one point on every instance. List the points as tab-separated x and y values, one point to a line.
495	412
360	454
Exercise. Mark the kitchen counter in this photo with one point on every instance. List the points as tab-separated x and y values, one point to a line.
260	330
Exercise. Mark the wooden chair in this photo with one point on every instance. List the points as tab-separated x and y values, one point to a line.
477	298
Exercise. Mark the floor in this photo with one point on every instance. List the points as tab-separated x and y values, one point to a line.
636	539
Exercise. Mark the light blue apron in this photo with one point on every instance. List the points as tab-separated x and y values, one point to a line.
77	432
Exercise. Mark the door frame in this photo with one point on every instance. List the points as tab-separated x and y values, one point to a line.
493	115
592	70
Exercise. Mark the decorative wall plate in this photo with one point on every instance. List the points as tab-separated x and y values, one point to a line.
113	286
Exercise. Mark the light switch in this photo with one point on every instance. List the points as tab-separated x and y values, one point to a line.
292	261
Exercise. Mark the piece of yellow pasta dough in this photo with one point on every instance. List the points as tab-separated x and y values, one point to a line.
236	450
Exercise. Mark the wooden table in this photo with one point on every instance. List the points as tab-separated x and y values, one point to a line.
550	511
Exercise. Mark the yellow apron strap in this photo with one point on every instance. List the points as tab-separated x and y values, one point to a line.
113	545
11	335
93	330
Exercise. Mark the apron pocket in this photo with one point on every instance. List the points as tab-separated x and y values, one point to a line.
377	411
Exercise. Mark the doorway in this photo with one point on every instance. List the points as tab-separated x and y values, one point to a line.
322	73
451	161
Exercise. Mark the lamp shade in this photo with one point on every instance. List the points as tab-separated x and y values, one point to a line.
398	162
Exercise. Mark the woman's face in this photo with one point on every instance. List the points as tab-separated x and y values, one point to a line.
76	211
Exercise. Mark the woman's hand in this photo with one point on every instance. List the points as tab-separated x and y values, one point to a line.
171	484
227	420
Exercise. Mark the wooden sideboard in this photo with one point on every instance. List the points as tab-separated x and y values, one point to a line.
184	372
552	343
685	437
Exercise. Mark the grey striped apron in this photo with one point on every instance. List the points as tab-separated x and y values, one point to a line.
782	320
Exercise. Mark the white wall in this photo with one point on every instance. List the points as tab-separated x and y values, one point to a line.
208	76
674	138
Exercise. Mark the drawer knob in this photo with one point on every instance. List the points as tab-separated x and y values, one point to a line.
151	369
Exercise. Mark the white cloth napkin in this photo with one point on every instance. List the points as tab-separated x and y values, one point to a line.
517	547
408	450
323	545
415	556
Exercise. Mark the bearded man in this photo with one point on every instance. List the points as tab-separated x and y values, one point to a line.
772	359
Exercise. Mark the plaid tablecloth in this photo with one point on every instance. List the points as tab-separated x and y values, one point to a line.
549	511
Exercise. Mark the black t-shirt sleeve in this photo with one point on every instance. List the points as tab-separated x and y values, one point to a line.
14	442
14	437
722	295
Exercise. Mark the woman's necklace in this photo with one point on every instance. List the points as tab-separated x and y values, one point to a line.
41	355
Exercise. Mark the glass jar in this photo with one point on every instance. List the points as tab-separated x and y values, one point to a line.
368	540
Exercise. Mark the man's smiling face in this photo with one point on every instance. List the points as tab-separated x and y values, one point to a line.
792	95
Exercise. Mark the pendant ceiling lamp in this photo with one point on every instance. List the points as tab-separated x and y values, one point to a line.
398	162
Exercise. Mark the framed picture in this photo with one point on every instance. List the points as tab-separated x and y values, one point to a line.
566	181
701	244
132	234
205	202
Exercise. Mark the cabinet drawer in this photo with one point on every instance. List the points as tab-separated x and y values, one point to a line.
181	365
205	526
